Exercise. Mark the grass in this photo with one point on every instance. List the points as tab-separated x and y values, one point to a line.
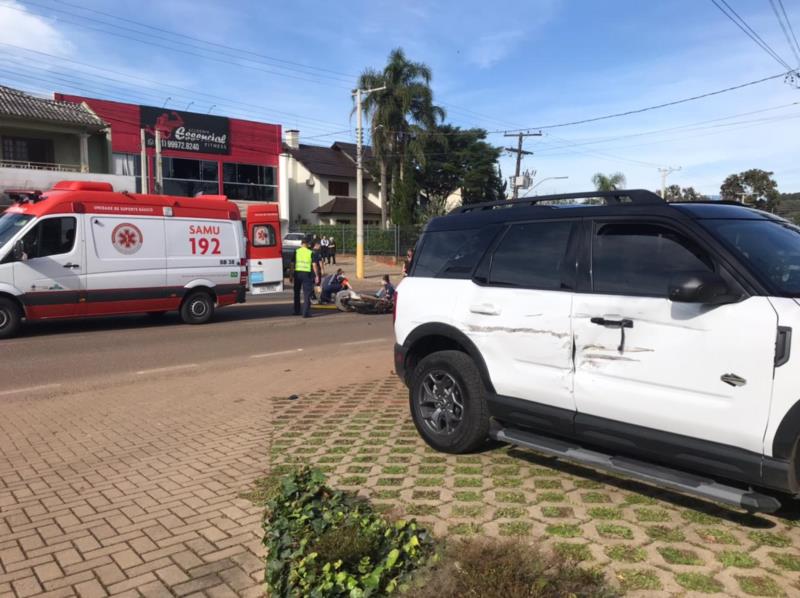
468	470
468	482
552	497
421	510
510	496
557	512
467	510
789	562
677	556
770	539
665	534
465	529
737	558
353	480
652	515
716	535
515	528
631	580
700	517
605	513
386	494
425	495
564	530
548	484
507	482
468	496
429	482
432	469
395	470
510	512
572	552
698	582
511	569
611	530
626	554
759	586
595	497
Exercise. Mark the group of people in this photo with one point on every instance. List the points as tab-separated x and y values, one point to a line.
309	271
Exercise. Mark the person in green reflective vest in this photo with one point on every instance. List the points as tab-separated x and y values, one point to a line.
305	275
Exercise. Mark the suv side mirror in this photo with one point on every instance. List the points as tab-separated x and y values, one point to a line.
704	287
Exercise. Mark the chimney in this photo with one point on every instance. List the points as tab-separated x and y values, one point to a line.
293	138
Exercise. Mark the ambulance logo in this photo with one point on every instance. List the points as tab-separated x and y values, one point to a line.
127	238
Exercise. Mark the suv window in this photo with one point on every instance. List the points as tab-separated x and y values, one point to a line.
452	253
532	256
640	258
53	236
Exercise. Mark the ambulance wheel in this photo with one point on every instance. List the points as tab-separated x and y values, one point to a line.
197	308
10	318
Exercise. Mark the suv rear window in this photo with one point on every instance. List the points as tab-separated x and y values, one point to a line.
451	253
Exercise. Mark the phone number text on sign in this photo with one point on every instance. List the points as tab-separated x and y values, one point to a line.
204	239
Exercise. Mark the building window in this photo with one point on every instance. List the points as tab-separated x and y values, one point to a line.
339	188
25	149
128	165
248	182
190	177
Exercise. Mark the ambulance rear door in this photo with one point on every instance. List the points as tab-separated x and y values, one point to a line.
265	263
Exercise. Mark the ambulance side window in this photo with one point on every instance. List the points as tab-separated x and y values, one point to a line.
263	235
53	236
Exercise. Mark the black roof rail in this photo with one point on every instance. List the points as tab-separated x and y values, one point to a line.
633	196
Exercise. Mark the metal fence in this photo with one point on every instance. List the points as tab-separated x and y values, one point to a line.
392	241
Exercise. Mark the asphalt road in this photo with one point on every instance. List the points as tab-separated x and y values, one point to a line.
258	332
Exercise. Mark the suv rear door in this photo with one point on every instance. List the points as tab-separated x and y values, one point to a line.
686	369
518	315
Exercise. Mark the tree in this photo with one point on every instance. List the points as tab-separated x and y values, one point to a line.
675	193
610	182
456	159
399	115
754	187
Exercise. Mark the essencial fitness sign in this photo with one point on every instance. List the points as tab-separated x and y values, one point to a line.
185	131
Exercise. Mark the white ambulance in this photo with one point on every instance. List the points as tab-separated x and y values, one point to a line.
82	249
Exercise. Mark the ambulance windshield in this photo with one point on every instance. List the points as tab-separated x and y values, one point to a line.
11	224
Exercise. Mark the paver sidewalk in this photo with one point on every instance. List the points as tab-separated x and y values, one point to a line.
131	493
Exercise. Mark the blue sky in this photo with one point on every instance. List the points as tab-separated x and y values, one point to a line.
498	65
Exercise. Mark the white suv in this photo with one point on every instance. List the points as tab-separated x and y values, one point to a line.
645	338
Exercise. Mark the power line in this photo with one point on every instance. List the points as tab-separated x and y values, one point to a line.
150	42
789	38
789	24
749	31
232	48
160	84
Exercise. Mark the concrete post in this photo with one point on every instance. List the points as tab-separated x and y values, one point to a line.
84	142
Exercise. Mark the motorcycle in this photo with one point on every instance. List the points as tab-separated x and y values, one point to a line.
349	300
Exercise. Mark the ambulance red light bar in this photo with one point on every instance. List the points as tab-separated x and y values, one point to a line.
82	186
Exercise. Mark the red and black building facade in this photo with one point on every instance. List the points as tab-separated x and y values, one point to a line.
201	153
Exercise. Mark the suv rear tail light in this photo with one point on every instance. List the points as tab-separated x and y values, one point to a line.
394	309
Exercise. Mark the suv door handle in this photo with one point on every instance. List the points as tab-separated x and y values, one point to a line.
71	265
487	309
621	324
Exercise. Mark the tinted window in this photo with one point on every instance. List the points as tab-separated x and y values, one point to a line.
532	256
341	188
770	248
263	235
50	237
640	258
453	253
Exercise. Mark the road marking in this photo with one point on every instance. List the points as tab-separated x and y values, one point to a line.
27	389
166	369
374	340
260	355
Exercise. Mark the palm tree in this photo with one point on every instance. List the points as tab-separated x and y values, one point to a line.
399	114
610	182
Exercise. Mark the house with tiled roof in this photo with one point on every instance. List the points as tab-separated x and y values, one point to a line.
322	183
43	141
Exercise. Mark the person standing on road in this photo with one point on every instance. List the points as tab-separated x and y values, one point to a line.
303	278
325	245
332	250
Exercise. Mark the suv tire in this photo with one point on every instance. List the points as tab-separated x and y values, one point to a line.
10	318
197	308
448	403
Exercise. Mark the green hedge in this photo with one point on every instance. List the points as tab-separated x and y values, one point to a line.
326	543
377	240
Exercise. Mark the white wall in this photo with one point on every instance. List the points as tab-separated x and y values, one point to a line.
24	178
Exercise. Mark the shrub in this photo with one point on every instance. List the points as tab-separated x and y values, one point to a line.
484	567
322	542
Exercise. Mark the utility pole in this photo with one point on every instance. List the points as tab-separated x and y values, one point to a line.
158	168
145	186
665	172
360	182
520	152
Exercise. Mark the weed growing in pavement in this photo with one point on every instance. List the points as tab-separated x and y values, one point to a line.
611	530
425	495
468	496
626	554
510	496
557	512
789	562
551	497
572	552
716	535
465	529
700	517
566	530
468	510
509	513
677	556
605	513
737	558
638	579
773	539
595	497
652	515
759	586
511	569
515	528
698	582
665	534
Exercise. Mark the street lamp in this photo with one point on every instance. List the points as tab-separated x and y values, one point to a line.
548	178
